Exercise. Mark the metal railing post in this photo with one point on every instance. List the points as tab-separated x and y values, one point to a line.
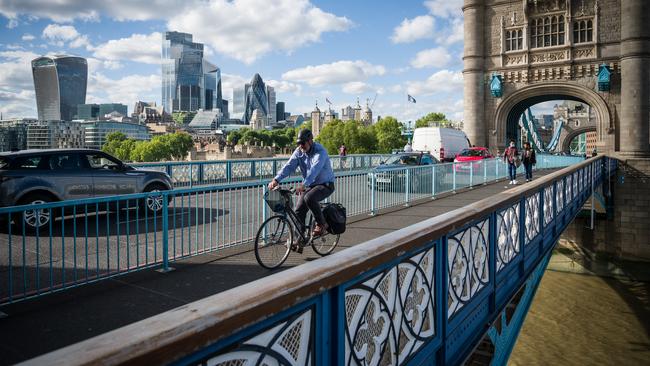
373	182
407	186
433	181
191	176
496	174
453	173
165	232
471	174
591	224
485	172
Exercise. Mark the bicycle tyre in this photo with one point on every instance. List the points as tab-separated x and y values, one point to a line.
272	253
324	244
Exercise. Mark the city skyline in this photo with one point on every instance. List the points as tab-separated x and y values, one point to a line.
353	50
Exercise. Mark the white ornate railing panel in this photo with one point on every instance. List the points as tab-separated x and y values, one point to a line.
508	246
468	270
532	225
390	316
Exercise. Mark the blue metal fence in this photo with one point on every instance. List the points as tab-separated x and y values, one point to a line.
423	294
91	239
189	174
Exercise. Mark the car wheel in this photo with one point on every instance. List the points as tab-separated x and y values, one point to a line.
33	220
154	203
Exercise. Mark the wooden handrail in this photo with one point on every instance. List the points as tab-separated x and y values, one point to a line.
169	336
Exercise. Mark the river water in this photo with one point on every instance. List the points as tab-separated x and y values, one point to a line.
579	319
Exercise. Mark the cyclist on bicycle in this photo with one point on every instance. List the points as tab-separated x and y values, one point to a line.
318	178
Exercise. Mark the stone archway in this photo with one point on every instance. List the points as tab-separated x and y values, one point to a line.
510	108
565	141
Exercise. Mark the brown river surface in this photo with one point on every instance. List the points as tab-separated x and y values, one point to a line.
579	319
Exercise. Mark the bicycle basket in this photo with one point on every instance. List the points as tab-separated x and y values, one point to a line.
278	201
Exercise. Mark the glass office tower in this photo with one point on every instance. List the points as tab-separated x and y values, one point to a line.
256	98
60	86
189	82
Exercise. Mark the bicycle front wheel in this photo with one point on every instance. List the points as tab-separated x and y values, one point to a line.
273	242
324	244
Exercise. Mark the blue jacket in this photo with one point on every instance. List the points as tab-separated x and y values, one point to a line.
314	165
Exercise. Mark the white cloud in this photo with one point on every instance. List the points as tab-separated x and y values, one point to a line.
433	57
335	73
248	29
126	90
230	82
28	37
443	81
411	30
357	87
285	86
12	23
59	34
16	71
445	8
145	48
453	34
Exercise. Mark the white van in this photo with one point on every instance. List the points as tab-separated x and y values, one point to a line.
443	143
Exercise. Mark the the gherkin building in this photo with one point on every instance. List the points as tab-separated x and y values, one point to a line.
256	98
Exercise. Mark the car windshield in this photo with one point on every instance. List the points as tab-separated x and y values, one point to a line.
403	160
470	152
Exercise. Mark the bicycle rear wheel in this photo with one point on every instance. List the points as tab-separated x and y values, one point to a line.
273	242
323	244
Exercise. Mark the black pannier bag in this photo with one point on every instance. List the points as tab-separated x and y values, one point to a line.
336	216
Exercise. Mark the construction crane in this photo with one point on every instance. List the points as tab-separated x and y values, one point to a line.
370	105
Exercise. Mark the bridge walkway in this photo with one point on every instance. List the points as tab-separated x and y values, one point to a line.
41	325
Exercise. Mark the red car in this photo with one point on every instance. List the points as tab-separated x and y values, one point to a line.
464	158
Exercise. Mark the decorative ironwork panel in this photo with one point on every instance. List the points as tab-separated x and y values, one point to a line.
468	269
548	205
508	246
181	173
290	342
264	168
390	316
241	170
559	197
532	217
376	160
569	188
214	171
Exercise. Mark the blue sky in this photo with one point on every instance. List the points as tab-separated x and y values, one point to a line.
308	50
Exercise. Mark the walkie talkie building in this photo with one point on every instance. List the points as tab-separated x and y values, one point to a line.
60	86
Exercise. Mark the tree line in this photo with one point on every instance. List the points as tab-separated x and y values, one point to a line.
172	146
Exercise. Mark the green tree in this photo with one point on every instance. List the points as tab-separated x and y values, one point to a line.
123	152
150	151
389	135
367	140
113	142
235	135
332	136
176	145
431	117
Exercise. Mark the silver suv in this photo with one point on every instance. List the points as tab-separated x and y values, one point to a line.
42	176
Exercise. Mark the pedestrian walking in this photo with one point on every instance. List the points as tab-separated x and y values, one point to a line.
511	156
529	159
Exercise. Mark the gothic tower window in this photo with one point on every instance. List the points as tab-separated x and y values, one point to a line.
583	31
514	40
546	32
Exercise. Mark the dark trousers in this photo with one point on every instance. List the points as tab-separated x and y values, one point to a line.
512	171
529	170
310	200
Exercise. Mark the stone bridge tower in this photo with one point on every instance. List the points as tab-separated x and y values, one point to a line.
541	50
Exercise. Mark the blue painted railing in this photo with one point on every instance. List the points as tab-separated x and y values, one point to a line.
189	174
93	239
425	294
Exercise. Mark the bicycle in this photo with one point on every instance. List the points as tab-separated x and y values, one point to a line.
276	236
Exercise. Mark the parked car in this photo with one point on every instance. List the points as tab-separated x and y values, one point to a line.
391	175
468	158
443	143
44	176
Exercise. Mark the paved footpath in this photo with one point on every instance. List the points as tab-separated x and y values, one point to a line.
38	326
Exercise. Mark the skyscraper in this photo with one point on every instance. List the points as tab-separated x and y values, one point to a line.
189	82
238	103
270	94
279	111
256	98
60	86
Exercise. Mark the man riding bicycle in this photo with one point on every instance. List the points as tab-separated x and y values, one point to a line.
318	178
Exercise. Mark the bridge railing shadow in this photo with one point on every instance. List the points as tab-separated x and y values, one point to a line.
425	292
